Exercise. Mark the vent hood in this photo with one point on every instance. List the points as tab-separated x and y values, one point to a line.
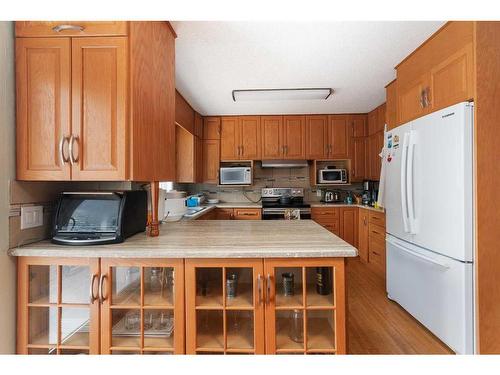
284	163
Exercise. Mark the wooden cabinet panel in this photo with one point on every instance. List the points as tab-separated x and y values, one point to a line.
372	122
294	132
377	218
375	144
377	232
358	125
247	214
229	139
76	29
43	83
349	224
339	135
250	138
325	213
391	105
198	125
211	161
184	114
363	234
99	100
185	146
211	128
358	160
381	115
377	257
411	102
316	137
333	226
272	137
199	159
224	213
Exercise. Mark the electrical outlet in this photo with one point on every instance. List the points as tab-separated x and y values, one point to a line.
318	193
31	217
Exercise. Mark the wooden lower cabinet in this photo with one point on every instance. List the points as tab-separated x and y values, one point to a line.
233	214
349	225
363	234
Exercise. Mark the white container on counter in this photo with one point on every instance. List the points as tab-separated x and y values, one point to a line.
172	205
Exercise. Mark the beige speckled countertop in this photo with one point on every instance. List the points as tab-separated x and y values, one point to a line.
212	239
210	207
322	204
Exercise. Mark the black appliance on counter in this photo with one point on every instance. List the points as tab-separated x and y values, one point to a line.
370	193
277	201
96	218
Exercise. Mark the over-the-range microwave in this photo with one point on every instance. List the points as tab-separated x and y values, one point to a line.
332	176
235	176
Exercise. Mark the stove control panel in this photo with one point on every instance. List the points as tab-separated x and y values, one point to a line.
278	192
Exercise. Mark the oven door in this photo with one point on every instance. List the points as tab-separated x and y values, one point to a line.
279	213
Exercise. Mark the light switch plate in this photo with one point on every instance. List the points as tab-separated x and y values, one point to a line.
31	217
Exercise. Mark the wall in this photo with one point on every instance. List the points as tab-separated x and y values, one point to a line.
7	170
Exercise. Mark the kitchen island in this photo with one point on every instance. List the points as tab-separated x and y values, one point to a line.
200	287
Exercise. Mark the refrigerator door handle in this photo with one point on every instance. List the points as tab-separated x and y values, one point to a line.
417	255
409	181
404	203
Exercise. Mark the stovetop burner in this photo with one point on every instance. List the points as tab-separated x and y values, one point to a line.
273	198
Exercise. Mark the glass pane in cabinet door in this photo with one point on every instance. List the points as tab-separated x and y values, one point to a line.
42	284
290	329
42	325
320	329
75	326
126	286
75	284
158	328
126	328
288	281
240	329
42	351
154	352
239	287
209	329
320	286
74	351
158	286
125	352
209	287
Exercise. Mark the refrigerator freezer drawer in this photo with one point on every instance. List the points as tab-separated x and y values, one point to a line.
436	290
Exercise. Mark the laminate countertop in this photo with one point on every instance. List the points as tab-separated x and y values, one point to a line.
212	239
323	204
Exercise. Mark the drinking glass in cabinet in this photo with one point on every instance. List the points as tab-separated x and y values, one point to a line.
239	287
42	325
240	329
209	329
158	286
43	284
75	326
290	329
126	328
158	328
126	286
288	281
75	284
321	329
320	286
208	287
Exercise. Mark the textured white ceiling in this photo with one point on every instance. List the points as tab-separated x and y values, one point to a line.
356	59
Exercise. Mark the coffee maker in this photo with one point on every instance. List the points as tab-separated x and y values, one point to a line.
368	197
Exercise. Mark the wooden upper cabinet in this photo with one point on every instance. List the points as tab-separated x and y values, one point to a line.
43	83
198	125
184	114
316	137
211	128
70	28
391	105
198	159
372	122
185	149
339	136
99	116
412	99
211	149
272	137
375	144
358	159
294	131
250	137
229	138
358	125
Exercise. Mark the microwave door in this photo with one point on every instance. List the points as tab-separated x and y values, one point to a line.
231	177
331	176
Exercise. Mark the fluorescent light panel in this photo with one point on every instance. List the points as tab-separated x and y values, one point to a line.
282	94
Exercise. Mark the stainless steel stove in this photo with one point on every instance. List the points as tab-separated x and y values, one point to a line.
277	201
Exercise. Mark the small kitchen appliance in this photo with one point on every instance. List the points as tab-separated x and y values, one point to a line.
96	218
332	176
332	196
235	175
278	202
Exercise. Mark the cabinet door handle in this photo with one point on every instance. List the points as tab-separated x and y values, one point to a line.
102	298
286	150
241	151
268	289
72	158
259	287
64	159
60	28
92	297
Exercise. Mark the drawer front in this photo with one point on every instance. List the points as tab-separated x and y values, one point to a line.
376	232
224	213
377	218
71	28
333	226
325	213
247	213
377	255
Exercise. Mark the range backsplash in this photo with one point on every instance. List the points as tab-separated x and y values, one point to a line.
266	177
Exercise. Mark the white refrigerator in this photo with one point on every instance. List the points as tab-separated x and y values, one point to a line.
429	208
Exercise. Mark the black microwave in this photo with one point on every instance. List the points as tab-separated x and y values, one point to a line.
96	218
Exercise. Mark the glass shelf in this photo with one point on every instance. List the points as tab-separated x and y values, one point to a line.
321	330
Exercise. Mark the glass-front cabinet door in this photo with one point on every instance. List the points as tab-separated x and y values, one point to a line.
305	301
142	309
58	308
225	306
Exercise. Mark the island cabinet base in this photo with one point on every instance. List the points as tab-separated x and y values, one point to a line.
176	306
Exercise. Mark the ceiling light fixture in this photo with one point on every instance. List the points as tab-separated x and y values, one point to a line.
282	94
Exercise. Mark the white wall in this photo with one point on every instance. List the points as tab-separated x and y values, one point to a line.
7	172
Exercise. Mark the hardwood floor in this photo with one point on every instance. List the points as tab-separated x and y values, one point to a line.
376	325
